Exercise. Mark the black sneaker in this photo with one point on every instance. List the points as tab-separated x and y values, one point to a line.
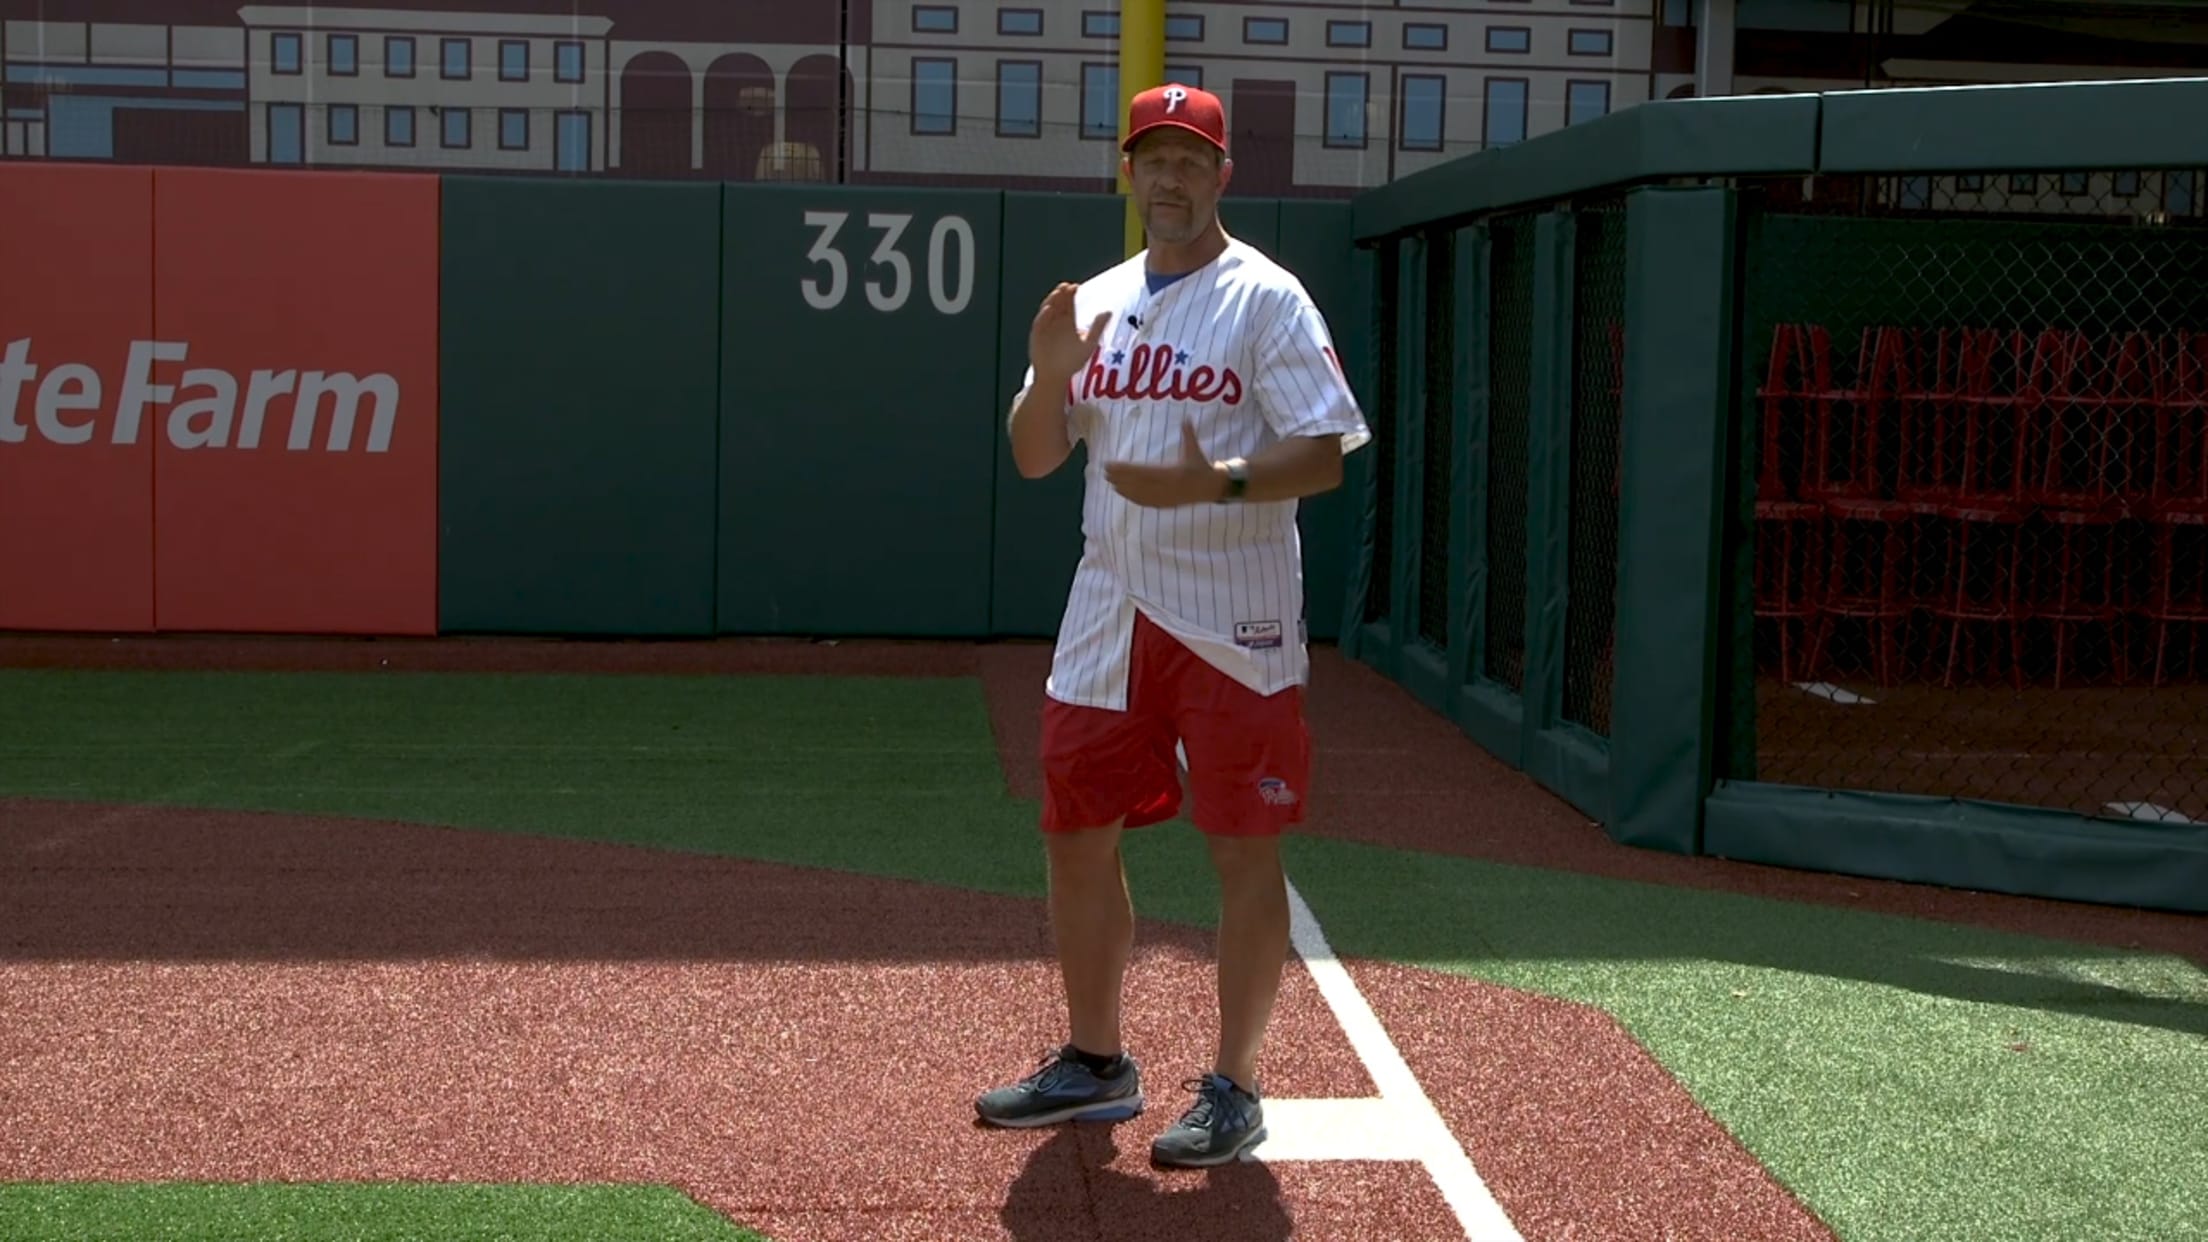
1224	1122
1065	1090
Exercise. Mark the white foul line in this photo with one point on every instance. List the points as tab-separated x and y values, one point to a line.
1401	1124
1416	1120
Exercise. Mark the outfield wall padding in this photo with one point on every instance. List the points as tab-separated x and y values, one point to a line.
314	511
76	484
859	410
581	406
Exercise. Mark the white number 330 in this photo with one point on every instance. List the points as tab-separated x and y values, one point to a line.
888	288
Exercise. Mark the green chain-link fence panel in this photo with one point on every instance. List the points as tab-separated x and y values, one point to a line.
1598	384
1509	424
1974	525
1436	567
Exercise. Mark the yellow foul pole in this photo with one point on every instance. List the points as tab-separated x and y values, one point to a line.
1141	66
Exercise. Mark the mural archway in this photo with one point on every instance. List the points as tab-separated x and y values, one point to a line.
655	116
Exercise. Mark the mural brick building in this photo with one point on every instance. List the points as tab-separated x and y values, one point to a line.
1323	98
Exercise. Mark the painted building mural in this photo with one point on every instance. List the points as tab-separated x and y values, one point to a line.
1323	98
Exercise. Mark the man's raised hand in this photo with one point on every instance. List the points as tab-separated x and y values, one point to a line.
1056	347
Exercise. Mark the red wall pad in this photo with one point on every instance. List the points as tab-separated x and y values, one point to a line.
294	401
76	480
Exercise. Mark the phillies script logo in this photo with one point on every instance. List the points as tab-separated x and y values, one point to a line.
1154	373
206	407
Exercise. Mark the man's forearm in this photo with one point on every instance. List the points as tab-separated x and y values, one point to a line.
1037	427
1293	469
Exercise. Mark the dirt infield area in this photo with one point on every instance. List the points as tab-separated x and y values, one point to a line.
232	997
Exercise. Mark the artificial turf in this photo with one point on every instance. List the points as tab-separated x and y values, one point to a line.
357	1212
1907	1079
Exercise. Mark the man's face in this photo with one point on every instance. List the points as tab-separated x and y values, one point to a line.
1176	178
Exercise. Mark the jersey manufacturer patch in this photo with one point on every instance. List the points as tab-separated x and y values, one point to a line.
1257	635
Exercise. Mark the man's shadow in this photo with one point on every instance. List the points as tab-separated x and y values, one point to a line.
1067	1191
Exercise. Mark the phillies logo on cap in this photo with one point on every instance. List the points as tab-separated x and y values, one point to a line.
1177	106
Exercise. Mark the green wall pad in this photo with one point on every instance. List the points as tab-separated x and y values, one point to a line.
577	404
859	411
1314	244
1047	238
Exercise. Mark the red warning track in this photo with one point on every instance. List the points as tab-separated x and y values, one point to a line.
214	995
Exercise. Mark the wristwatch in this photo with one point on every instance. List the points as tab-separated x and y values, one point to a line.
1238	478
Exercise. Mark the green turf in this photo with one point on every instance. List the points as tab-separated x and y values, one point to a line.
1908	1079
362	1212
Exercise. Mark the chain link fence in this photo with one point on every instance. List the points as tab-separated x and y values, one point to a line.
1437	445
1598	396
1386	320
1509	430
1972	553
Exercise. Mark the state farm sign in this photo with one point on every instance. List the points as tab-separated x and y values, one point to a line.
196	407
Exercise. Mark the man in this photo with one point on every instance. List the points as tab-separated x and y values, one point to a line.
1209	393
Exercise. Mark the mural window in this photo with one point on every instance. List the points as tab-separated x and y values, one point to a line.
1019	21
1971	183
1590	43
1349	34
934	19
283	53
398	125
571	151
1265	31
513	129
1423	100
1678	12
398	56
2023	183
1019	99
934	95
1346	96
513	60
1184	28
342	51
2177	192
1425	37
341	125
1505	120
1584	101
286	134
2074	183
1099	24
567	61
2127	183
1595	4
1509	38
1099	101
1186	75
459	127
459	57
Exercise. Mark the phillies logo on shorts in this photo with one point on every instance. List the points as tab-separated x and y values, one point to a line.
1275	792
1155	373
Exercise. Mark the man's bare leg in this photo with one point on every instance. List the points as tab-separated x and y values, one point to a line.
1092	918
1253	948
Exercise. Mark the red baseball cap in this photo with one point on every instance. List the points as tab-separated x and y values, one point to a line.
1179	107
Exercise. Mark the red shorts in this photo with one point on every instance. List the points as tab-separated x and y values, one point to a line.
1249	755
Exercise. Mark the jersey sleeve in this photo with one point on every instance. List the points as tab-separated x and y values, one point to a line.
1300	387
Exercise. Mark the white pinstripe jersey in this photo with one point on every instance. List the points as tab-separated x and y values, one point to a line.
1239	349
